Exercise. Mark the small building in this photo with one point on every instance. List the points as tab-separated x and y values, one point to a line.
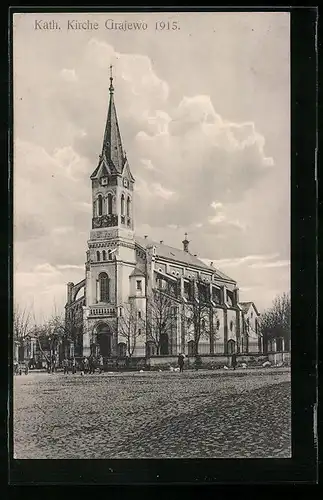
252	335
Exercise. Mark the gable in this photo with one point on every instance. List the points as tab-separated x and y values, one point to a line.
101	170
126	173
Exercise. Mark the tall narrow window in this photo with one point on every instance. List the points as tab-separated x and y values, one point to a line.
109	204
98	256
104	287
128	207
100	205
122	204
104	255
139	285
109	255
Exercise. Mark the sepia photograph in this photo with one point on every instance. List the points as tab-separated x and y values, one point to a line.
151	239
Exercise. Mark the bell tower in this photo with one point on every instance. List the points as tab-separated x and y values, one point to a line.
111	255
112	181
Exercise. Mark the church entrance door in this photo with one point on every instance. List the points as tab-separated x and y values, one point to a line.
105	340
164	347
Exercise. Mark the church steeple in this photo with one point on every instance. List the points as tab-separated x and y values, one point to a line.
112	181
112	150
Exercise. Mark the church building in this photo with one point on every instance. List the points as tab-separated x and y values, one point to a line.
143	298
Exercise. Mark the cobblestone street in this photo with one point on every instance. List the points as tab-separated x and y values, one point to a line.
204	414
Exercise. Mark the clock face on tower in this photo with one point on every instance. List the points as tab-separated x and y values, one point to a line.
104	181
126	183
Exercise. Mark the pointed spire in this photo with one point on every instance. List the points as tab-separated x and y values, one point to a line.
111	88
112	149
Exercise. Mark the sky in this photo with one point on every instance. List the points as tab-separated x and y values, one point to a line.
204	114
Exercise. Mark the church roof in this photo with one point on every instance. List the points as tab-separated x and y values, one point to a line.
112	144
137	272
245	306
112	157
180	256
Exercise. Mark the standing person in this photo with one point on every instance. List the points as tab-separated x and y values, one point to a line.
92	364
73	365
65	366
234	360
53	363
100	363
180	362
82	366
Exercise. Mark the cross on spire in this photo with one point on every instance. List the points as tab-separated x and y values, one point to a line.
111	88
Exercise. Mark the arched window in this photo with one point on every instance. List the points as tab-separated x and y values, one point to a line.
190	346
150	348
122	204
109	204
203	324
128	207
109	255
122	350
231	326
100	205
218	324
104	255
231	346
98	256
104	287
164	350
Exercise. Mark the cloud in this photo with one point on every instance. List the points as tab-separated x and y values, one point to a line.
45	269
69	266
216	219
278	263
237	261
160	191
147	164
69	75
216	205
63	229
195	169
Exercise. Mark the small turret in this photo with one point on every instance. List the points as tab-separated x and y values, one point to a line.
70	287
185	243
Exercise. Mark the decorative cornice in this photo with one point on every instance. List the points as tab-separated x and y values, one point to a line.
104	244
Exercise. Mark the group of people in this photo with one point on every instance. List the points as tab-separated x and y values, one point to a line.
86	365
20	369
181	360
69	364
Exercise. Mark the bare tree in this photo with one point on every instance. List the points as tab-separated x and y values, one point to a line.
21	323
161	317
198	312
52	333
276	321
131	326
